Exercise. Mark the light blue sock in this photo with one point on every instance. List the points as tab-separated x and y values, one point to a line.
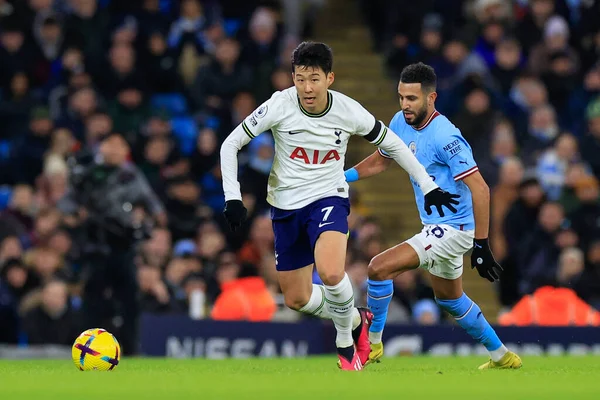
468	315
379	296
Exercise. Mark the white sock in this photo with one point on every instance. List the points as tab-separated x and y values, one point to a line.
316	306
339	300
375	337
497	354
316	303
355	318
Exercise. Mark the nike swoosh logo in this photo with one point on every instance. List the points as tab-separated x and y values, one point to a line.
325	224
478	246
294	132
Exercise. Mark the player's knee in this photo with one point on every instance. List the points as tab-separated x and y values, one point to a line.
331	278
377	270
297	301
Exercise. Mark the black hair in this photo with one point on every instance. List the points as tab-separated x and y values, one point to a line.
420	73
313	54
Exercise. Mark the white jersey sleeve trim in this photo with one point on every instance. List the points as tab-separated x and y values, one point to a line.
468	172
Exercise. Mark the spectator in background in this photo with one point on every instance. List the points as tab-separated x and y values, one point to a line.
217	83
10	248
543	129
568	198
503	145
539	251
571	263
553	163
261	50
14	285
260	244
155	295
503	196
585	219
507	64
521	217
30	148
18	218
426	312
590	146
476	119
531	28
581	97
161	66
590	281
53	320
16	106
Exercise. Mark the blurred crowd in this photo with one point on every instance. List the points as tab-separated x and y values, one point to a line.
521	80
172	78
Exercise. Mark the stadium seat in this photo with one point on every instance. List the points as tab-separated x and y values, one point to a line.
5	149
174	103
231	26
5	196
186	131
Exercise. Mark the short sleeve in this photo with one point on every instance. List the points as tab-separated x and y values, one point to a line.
454	151
363	121
265	117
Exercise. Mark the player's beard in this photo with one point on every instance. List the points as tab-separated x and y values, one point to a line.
419	117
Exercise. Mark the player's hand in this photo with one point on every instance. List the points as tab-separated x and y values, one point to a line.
439	198
235	213
483	259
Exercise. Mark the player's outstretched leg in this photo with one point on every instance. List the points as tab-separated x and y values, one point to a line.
469	316
382	269
379	296
305	297
330	253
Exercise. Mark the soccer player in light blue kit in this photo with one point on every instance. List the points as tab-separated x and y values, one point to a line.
445	238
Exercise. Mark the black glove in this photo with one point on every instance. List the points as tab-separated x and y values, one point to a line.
235	213
483	259
439	198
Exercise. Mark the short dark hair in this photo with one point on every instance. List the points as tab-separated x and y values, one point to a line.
420	73
313	54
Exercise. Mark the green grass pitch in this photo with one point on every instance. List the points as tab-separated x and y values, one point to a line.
312	378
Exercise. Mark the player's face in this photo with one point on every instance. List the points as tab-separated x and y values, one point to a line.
415	104
312	84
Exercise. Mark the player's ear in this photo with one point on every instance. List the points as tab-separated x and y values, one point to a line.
431	98
330	78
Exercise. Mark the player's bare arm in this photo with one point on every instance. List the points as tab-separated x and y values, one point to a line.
372	165
397	150
482	257
481	204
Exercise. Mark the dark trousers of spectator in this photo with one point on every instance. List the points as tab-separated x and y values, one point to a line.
113	274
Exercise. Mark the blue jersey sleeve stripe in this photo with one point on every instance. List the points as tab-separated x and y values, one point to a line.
468	172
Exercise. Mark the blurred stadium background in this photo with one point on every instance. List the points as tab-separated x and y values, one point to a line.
520	78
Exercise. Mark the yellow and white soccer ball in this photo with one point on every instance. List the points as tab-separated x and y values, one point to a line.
96	350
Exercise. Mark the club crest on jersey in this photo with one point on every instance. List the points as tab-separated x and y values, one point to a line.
338	134
413	147
261	112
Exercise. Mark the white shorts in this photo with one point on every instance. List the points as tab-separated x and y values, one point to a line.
441	249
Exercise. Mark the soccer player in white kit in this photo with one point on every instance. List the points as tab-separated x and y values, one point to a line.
308	192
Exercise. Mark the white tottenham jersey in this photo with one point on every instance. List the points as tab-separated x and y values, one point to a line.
310	148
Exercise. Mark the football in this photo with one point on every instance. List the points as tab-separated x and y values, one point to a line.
96	350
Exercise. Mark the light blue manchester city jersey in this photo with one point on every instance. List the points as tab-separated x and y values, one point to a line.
448	158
